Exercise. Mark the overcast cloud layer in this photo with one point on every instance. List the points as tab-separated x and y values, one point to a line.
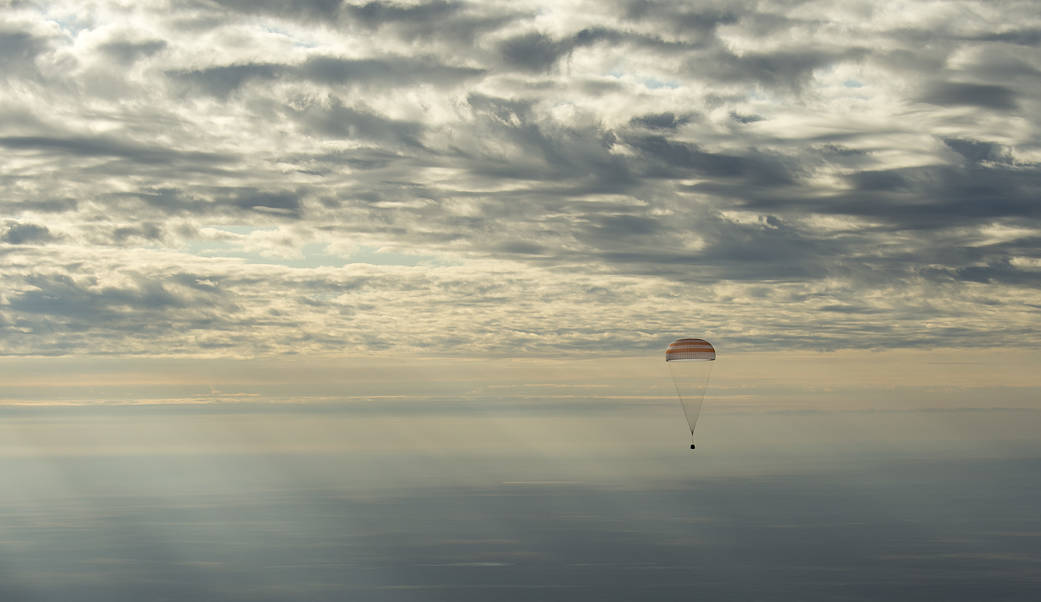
237	177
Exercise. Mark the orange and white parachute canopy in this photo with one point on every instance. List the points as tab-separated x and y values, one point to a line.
690	349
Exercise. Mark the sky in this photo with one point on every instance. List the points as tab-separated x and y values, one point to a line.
240	179
385	287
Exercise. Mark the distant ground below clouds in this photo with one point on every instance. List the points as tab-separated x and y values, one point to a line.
159	507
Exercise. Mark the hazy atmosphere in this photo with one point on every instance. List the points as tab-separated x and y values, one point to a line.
322	300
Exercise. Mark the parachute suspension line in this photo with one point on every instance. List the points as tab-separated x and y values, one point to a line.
683	406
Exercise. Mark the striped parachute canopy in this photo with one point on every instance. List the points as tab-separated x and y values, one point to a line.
690	349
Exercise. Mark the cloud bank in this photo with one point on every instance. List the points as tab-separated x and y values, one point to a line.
242	178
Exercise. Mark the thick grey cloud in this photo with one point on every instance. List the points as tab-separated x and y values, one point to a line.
19	50
394	71
1021	37
533	51
683	17
106	147
62	297
294	9
974	95
536	51
339	121
790	69
661	121
380	13
20	234
787	176
222	80
19	46
127	52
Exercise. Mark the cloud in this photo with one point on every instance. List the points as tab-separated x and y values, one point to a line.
791	69
390	72
1020	37
18	47
375	14
984	96
127	52
25	233
322	10
222	80
105	147
336	120
681	17
661	121
532	179
533	51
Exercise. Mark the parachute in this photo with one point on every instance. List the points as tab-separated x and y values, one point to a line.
690	363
